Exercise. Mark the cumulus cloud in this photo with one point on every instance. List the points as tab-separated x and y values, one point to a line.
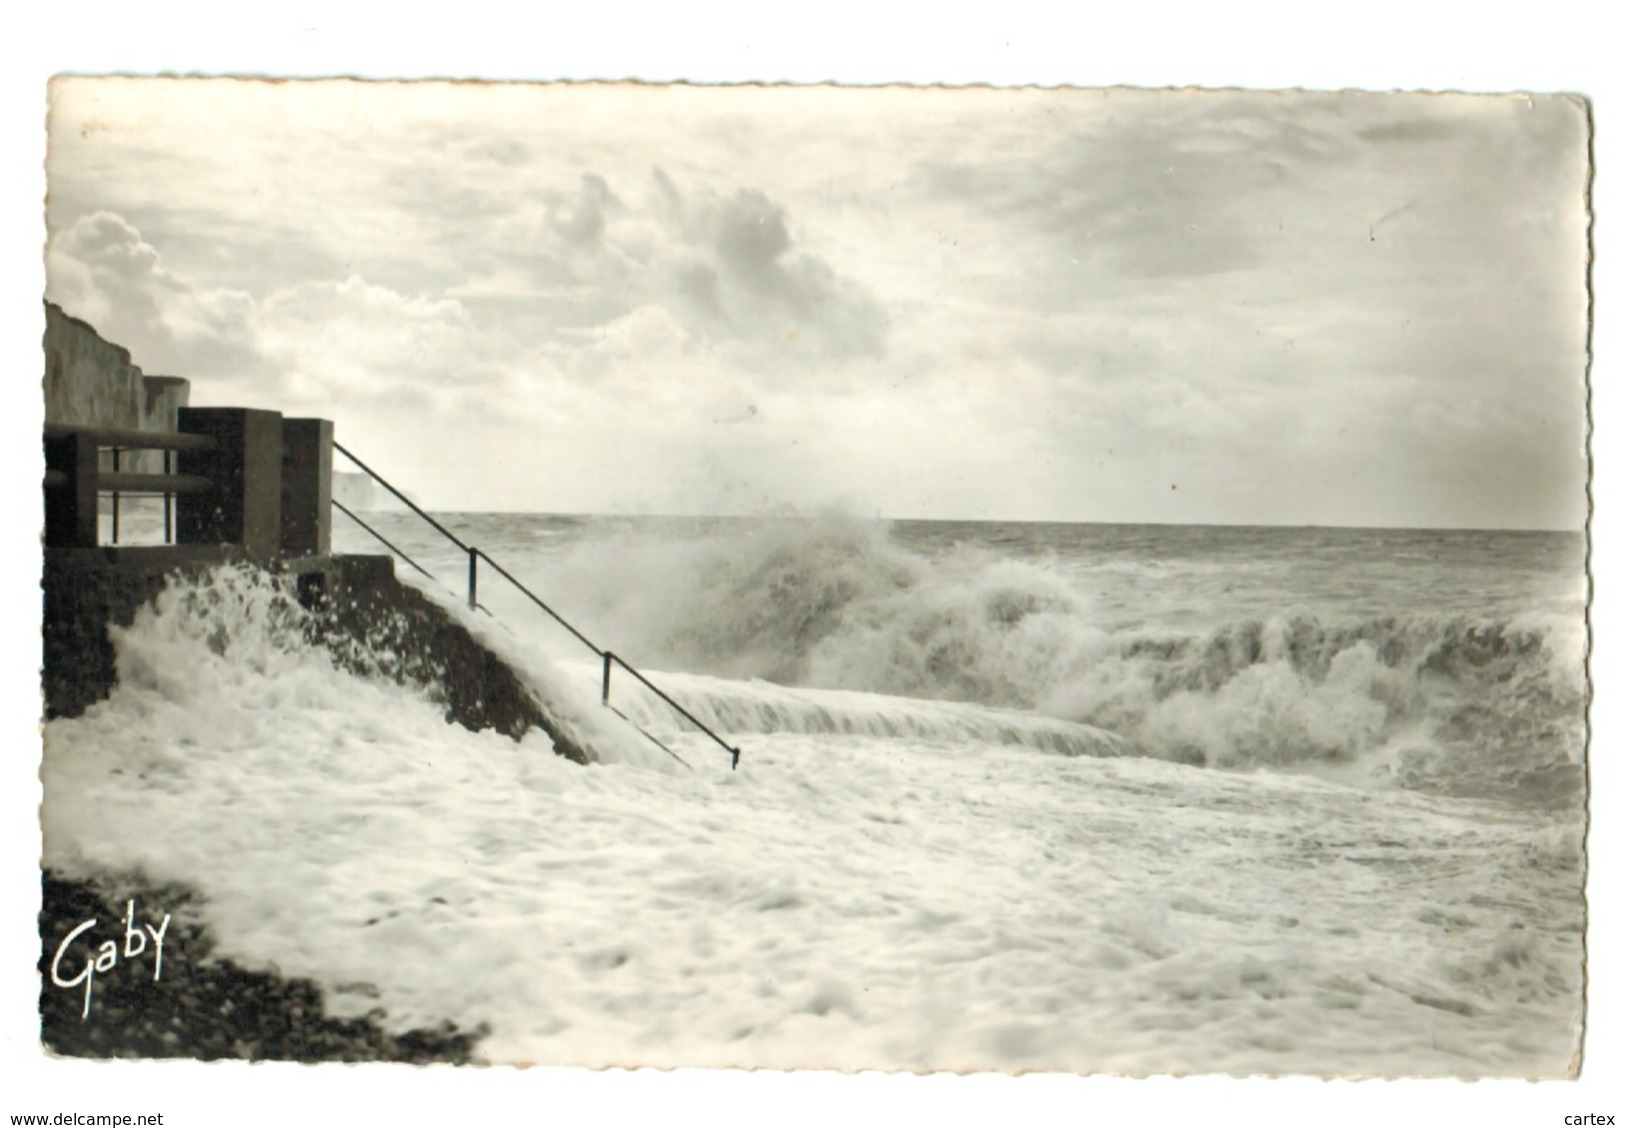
1050	304
101	269
745	277
583	222
366	340
727	266
317	342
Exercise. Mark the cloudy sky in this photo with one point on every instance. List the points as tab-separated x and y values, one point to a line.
1038	304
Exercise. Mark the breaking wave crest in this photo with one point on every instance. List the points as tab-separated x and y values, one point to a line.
829	626
1440	702
762	707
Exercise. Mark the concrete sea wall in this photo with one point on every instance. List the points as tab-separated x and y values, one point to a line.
355	605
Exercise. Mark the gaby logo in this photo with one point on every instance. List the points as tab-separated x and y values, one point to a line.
106	957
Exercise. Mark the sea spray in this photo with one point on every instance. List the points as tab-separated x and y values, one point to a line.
572	705
1418	697
940	900
739	601
203	635
761	707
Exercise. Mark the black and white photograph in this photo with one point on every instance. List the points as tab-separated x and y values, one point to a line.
1084	580
809	567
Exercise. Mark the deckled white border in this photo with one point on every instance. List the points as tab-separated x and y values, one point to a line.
1388	44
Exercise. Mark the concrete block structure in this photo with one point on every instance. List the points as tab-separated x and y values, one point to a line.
307	487
244	507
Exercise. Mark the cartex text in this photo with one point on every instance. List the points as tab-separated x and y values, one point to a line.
1588	1118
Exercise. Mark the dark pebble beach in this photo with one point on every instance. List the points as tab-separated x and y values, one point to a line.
200	1007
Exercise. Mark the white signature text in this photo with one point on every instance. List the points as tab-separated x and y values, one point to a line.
106	956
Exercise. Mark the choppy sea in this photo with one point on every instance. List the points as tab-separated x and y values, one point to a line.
1014	796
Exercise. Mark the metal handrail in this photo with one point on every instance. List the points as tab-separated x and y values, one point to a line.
409	503
123	481
537	600
117	482
475	555
348	512
660	693
125	439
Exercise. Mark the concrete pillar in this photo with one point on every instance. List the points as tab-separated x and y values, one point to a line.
307	487
164	396
162	399
245	506
70	509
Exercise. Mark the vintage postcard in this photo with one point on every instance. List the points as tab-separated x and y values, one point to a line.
900	578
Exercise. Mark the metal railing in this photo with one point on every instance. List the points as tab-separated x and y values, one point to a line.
475	555
69	471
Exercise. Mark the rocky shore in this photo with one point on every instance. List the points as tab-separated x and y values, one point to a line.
199	1008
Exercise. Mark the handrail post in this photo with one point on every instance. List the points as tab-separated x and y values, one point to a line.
115	496
474	555
169	499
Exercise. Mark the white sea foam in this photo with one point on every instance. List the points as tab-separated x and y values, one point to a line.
934	898
1423	694
760	707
